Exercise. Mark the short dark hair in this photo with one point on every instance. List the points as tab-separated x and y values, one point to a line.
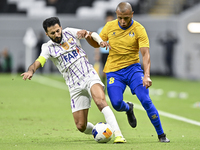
109	13
50	22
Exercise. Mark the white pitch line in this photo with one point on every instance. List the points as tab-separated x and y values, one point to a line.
50	82
172	116
63	86
179	118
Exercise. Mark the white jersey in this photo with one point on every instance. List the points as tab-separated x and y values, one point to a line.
68	57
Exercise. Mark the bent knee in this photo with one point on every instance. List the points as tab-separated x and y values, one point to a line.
117	106
81	127
101	103
147	104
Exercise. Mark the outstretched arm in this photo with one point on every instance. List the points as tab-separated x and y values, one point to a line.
147	64
31	70
93	39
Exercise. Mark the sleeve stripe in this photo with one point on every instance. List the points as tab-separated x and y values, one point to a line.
42	60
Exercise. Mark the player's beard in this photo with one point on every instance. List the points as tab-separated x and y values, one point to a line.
57	39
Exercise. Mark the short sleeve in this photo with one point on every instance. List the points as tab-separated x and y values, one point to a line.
104	33
142	38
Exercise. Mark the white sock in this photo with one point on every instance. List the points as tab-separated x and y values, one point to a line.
89	128
111	120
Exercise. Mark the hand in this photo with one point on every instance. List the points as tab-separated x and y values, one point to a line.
105	44
27	75
147	82
82	34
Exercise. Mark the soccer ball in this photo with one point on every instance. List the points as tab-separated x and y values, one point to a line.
102	132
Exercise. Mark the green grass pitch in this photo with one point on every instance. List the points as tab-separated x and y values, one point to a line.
36	115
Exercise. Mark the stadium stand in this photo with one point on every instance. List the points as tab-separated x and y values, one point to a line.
31	8
68	6
6	7
90	8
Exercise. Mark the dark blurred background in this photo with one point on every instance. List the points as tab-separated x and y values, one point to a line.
174	47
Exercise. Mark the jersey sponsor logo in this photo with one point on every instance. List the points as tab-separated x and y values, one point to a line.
70	55
65	46
111	80
131	34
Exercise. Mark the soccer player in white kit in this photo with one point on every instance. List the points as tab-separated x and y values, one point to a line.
65	51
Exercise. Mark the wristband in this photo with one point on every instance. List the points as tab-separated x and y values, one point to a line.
96	37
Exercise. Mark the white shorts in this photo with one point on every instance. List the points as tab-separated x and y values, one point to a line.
80	93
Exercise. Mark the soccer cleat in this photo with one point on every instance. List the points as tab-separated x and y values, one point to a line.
163	138
130	115
119	139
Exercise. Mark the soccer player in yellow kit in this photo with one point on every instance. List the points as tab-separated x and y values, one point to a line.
126	37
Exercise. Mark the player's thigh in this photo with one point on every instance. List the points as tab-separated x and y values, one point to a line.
115	89
115	94
80	99
116	79
135	81
97	93
95	89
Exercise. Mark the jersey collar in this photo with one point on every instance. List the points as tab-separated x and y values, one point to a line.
61	42
127	27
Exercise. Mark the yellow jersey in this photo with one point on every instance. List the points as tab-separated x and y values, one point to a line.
125	44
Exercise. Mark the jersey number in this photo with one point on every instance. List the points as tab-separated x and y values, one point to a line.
111	80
